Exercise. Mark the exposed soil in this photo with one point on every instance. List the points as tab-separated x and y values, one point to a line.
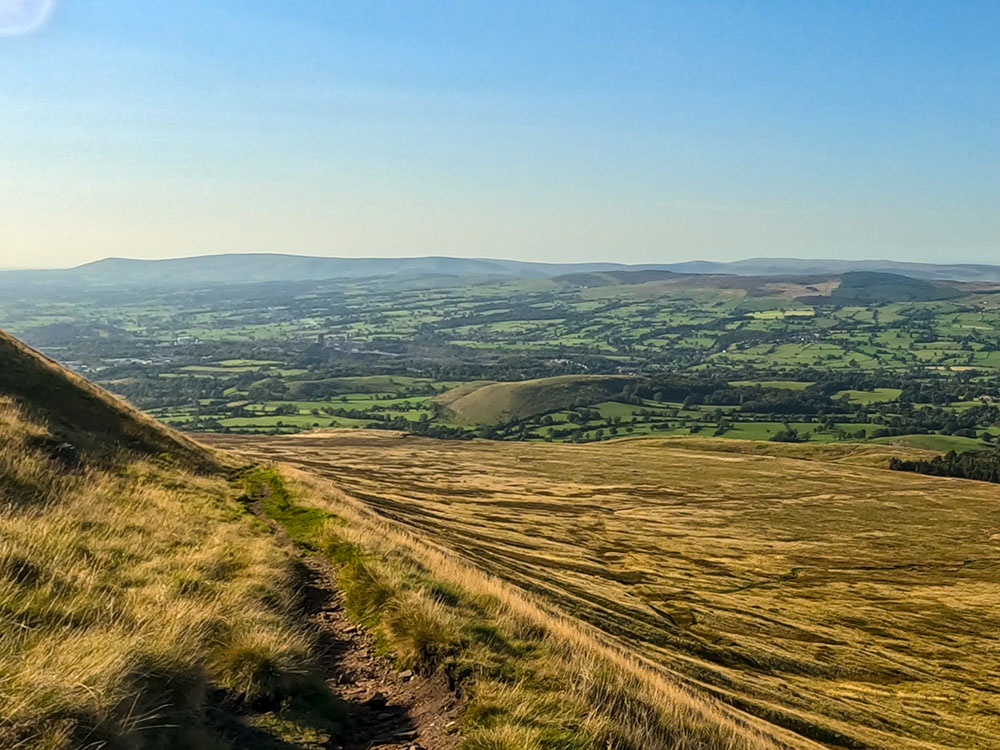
386	708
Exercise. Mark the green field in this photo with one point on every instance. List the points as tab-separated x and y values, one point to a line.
722	356
874	396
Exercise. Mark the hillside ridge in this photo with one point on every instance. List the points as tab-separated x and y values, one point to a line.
487	403
83	414
237	268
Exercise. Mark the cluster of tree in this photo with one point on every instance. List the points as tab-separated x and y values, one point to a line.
424	428
149	393
940	391
790	435
915	421
981	465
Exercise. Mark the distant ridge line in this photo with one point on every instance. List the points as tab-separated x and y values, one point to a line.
262	267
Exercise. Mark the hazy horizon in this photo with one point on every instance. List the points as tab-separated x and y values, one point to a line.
566	132
776	258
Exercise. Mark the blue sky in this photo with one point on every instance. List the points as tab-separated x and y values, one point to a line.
632	131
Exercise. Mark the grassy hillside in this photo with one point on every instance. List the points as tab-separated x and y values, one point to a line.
140	605
854	287
137	606
848	604
77	412
496	403
530	678
866	287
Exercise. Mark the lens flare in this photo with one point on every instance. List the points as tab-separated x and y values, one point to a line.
22	16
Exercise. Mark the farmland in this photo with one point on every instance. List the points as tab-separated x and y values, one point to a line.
864	357
802	583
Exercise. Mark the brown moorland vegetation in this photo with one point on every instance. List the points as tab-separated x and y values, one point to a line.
142	607
530	677
844	602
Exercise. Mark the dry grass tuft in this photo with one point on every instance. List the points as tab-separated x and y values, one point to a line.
423	631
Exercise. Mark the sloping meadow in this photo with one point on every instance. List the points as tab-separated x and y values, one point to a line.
849	604
137	605
529	677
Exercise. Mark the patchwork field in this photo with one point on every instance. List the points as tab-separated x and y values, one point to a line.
856	606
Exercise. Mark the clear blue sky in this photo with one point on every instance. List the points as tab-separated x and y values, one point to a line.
626	130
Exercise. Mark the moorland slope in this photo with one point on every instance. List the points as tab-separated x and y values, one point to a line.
804	584
81	414
139	605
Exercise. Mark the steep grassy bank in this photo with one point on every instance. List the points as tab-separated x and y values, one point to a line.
140	607
89	418
532	679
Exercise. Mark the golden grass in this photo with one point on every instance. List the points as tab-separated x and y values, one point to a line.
842	602
533	677
862	454
130	602
94	420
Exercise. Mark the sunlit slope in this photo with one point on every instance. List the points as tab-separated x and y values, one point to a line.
139	604
496	403
854	605
86	416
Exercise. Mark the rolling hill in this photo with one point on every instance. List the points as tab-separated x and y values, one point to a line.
641	594
847	288
486	403
866	287
236	268
973	272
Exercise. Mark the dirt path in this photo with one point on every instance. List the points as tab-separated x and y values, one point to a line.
387	709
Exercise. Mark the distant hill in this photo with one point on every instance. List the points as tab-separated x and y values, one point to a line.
806	266
613	278
851	288
496	403
82	414
209	270
864	287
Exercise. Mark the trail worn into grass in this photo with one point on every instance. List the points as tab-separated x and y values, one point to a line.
387	709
